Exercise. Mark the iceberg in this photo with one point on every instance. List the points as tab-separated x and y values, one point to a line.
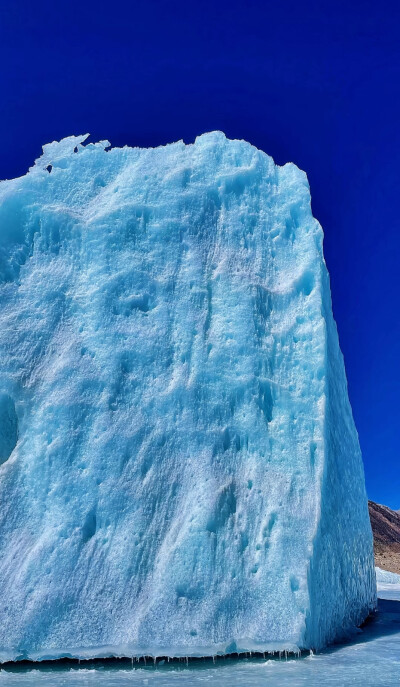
180	474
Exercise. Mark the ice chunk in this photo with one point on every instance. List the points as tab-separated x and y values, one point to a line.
180	473
386	577
388	584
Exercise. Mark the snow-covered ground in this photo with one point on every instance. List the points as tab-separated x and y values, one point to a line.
371	659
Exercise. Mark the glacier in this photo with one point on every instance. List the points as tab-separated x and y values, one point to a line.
180	474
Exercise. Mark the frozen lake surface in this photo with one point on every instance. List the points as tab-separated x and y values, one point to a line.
370	660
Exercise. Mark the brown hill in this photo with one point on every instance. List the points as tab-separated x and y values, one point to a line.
386	530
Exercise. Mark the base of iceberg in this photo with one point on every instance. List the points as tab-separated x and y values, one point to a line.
164	653
369	660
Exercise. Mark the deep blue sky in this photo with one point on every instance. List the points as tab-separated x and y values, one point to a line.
316	83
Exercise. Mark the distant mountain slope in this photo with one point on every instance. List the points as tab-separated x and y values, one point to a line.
386	530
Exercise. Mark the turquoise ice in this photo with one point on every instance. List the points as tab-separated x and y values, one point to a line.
180	471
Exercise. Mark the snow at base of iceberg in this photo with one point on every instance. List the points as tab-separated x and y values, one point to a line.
386	577
179	466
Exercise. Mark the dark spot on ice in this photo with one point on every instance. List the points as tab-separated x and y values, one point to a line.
265	400
224	507
244	541
8	427
306	282
76	149
226	439
294	583
142	303
49	168
313	448
186	591
89	526
271	523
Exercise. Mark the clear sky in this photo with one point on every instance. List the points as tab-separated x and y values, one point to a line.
316	83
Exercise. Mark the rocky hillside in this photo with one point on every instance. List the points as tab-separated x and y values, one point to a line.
386	529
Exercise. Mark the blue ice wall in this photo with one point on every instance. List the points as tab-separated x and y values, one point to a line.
179	469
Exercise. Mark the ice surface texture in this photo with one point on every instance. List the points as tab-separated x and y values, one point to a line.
180	472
